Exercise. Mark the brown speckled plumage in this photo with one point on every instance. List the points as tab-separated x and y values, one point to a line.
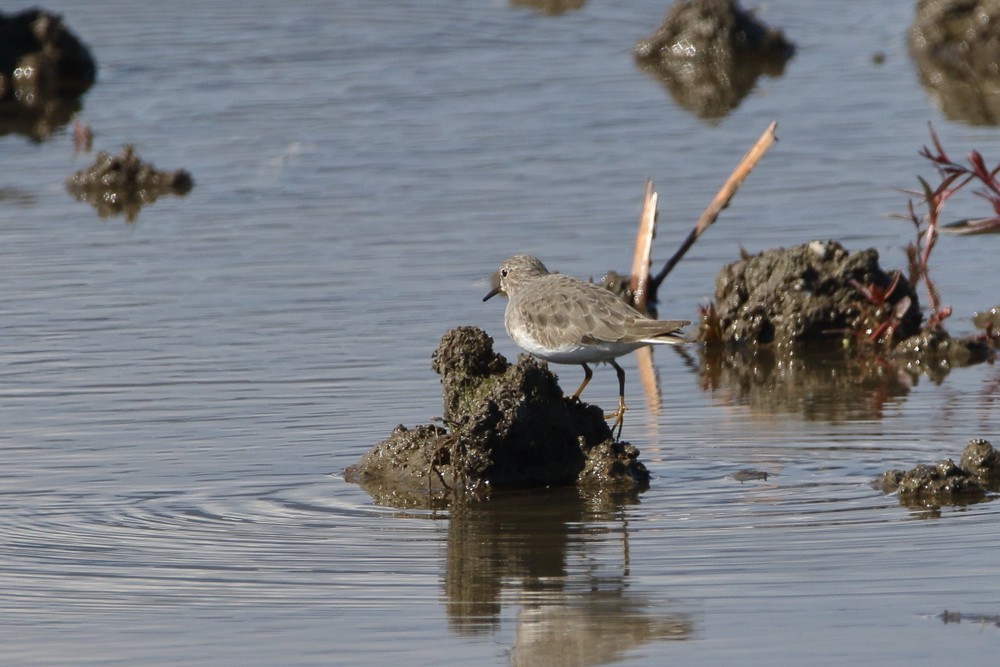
566	320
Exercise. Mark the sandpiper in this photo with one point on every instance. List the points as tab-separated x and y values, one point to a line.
568	321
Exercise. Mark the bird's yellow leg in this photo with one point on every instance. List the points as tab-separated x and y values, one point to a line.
587	374
619	415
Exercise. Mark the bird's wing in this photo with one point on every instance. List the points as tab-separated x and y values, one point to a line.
657	331
587	313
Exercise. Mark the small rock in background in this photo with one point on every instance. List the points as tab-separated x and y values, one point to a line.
44	69
945	482
123	184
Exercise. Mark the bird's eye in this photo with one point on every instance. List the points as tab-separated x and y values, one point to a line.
503	273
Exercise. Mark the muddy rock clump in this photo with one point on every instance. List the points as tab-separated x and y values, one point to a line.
508	426
945	482
942	480
982	461
123	184
933	350
807	294
708	54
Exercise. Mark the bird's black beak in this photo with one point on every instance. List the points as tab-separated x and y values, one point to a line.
495	283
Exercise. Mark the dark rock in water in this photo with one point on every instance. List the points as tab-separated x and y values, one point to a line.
979	619
509	427
749	475
399	470
945	482
955	45
44	69
944	478
708	54
938	347
806	294
123	184
988	320
819	296
613	465
550	7
982	461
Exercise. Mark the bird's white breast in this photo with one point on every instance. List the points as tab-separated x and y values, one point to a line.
574	353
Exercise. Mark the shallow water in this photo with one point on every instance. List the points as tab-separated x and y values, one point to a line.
179	396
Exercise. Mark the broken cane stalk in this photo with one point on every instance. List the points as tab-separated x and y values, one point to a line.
720	201
639	290
639	282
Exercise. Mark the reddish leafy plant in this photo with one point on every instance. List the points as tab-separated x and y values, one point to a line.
953	177
881	317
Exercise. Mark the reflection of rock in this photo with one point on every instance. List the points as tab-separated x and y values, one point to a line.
520	548
16	197
511	540
833	386
597	627
509	427
784	297
117	184
551	7
44	69
945	483
956	47
709	53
